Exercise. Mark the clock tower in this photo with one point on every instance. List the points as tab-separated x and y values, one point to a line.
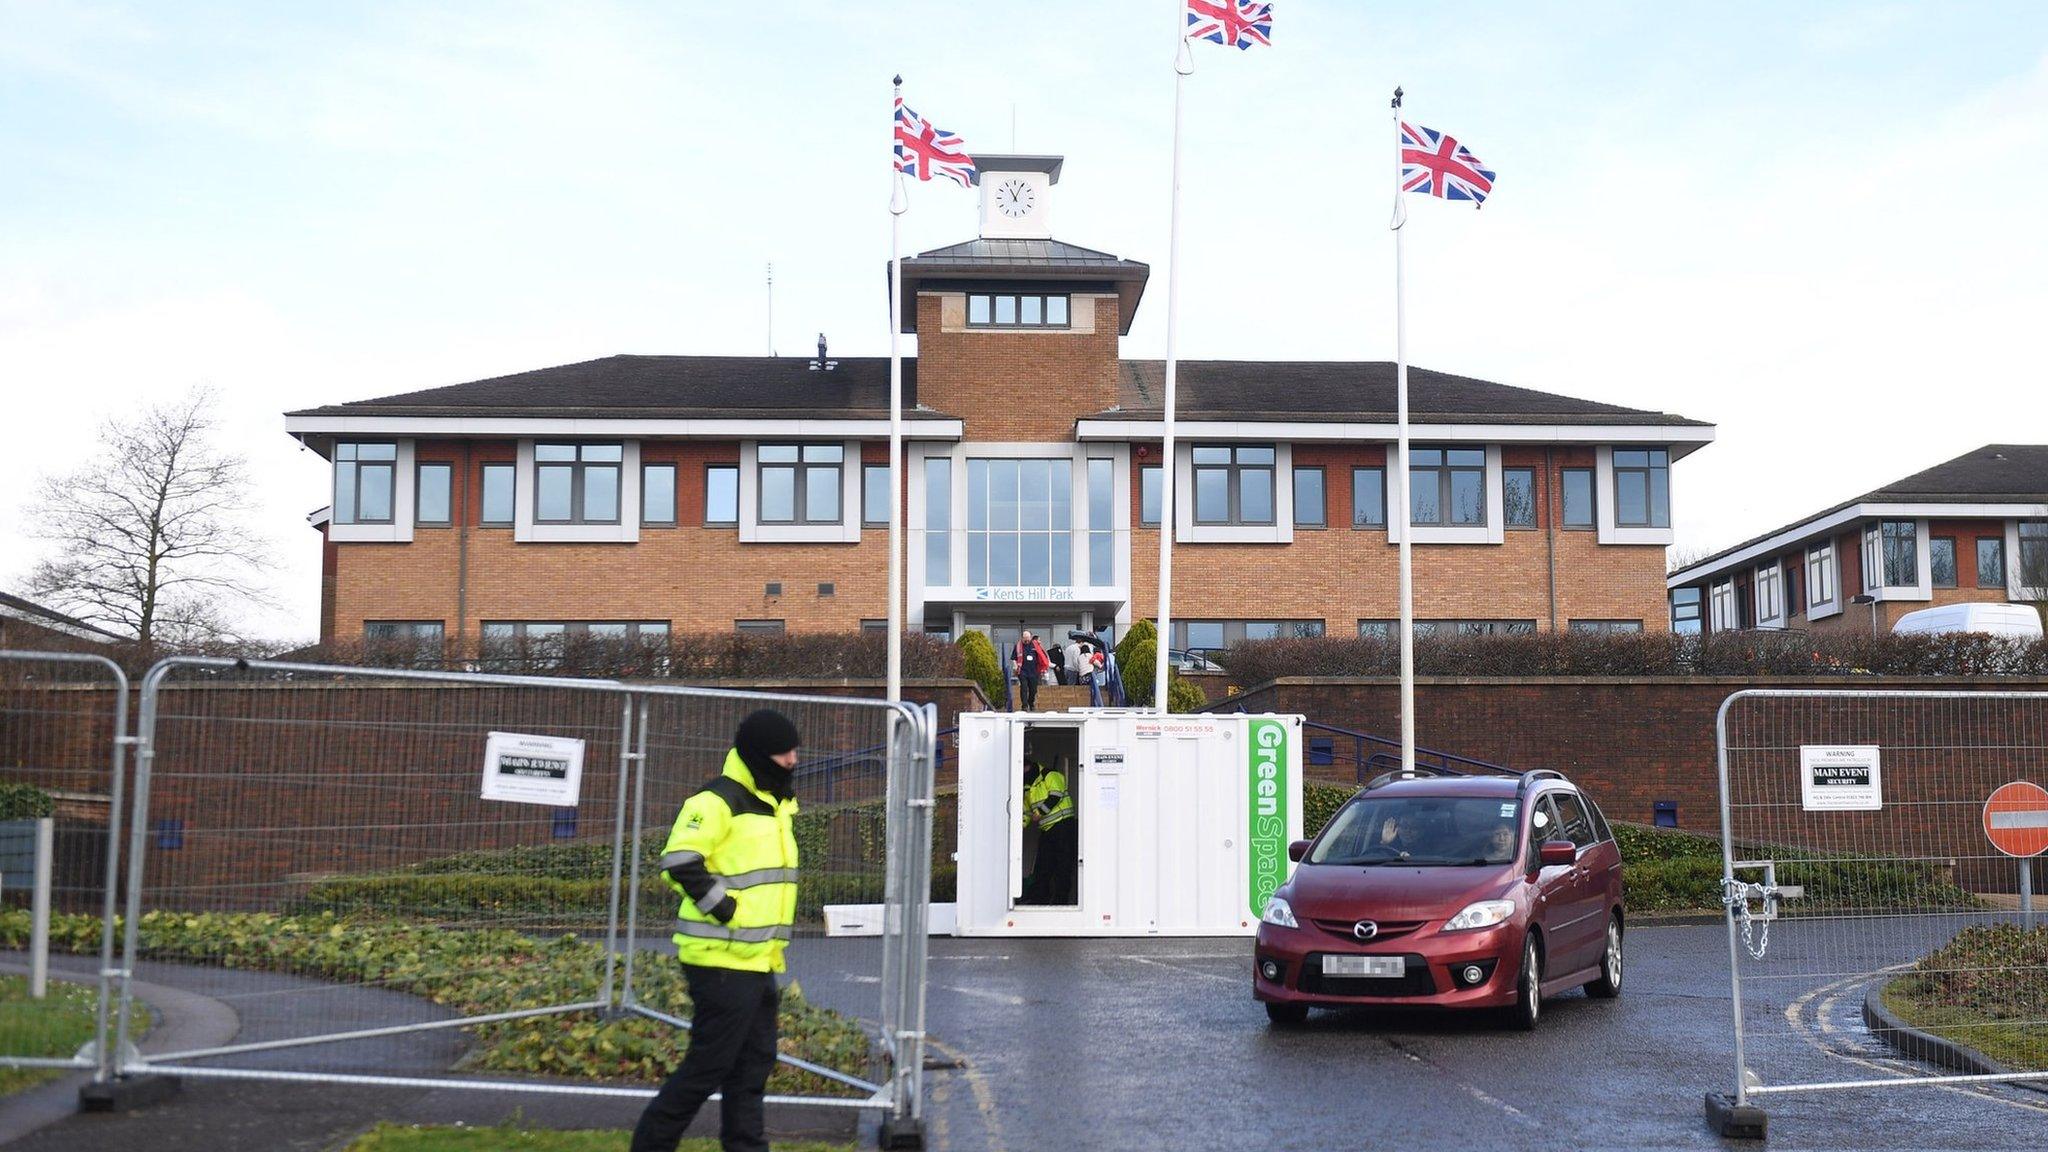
1016	196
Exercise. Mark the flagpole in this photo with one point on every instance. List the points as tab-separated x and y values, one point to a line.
1400	488
897	206
1183	66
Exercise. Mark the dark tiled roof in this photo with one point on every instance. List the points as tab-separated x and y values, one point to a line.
1351	391
664	387
1993	474
35	613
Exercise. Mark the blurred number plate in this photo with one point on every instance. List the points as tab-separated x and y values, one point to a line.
1377	966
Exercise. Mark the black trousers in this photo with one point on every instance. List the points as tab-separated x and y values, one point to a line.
1059	850
732	1051
1027	692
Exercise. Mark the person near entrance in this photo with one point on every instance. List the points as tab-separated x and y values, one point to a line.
1049	807
1031	664
732	858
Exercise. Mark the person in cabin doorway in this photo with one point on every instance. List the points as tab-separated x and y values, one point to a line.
732	859
1049	807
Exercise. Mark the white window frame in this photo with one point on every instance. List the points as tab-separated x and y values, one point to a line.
2015	589
846	530
1604	503
1769	582
1721	606
1280	531
1491	532
1820	558
525	480
404	482
1872	535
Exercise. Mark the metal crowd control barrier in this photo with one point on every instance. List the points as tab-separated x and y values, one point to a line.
314	846
63	734
1878	858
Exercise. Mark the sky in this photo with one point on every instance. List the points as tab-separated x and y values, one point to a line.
1816	226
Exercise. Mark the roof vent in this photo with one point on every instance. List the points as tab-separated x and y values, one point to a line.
821	362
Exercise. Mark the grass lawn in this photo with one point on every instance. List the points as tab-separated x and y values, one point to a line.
53	1026
1984	990
407	1138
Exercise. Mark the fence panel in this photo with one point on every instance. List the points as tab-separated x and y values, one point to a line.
63	719
1877	936
314	847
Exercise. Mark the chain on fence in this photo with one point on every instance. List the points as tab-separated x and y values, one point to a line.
320	853
1878	934
62	784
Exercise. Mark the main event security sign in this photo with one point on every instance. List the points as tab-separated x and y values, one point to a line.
1840	778
533	769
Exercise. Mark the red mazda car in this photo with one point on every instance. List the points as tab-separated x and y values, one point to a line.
1450	891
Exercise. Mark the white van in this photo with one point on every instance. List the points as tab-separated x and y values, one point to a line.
2018	621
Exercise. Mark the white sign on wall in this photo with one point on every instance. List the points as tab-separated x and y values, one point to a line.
533	769
1186	728
1840	778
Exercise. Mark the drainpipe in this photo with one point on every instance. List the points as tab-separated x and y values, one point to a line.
462	553
1550	532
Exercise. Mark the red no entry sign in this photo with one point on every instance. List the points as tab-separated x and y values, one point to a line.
2016	819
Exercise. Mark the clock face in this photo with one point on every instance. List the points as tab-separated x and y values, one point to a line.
1014	198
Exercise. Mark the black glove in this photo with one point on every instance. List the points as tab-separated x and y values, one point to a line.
725	910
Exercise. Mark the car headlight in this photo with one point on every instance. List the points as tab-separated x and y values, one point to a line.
1483	914
1279	912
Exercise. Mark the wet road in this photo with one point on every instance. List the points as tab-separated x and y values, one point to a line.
1123	1044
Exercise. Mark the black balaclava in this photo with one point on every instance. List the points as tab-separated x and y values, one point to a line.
763	735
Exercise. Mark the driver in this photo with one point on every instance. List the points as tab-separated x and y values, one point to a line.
1500	843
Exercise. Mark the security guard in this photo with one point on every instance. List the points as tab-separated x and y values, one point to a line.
732	857
1050	809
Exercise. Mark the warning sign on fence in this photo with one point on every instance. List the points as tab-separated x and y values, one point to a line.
533	769
1840	778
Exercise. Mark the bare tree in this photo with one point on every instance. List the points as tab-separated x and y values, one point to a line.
147	535
1679	557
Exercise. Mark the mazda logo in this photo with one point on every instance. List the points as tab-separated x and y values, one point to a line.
1365	929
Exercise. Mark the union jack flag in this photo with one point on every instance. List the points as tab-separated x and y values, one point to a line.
1437	165
924	151
1226	22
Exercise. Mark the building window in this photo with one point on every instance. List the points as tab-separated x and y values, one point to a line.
1368	497
1200	636
576	483
1722	610
1642	488
1685	611
497	490
1233	485
2033	554
1016	310
364	478
540	645
874	494
1820	575
1578	497
1376	629
800	483
1447	486
1792	593
1607	627
403	643
1769	595
1148	495
1101	521
874	625
762	627
938	521
433	494
1019	522
1941	561
1308	498
1891	552
658	494
1474	628
721	495
1518	497
1990	562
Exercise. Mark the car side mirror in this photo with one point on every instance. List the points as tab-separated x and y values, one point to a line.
1558	854
1296	850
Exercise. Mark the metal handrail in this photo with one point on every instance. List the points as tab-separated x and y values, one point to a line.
1450	761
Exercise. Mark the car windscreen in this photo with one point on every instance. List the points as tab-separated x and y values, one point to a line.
1420	830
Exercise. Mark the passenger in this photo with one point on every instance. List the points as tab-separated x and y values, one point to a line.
1500	845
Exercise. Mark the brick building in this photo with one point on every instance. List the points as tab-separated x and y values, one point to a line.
1972	529
28	626
639	495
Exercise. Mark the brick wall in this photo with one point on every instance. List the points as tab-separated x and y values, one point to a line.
1015	385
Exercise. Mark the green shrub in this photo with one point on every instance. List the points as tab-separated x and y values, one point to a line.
1142	632
25	802
978	662
1183	695
1319	802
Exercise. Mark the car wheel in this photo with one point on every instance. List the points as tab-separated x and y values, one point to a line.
1287	1015
1608	986
1528	1009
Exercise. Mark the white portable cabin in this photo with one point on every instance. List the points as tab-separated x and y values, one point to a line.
1183	821
2018	621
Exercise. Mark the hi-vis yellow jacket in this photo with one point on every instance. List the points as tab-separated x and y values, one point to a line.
733	840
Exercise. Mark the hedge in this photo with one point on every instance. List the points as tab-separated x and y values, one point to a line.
25	802
684	656
1645	654
475	972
